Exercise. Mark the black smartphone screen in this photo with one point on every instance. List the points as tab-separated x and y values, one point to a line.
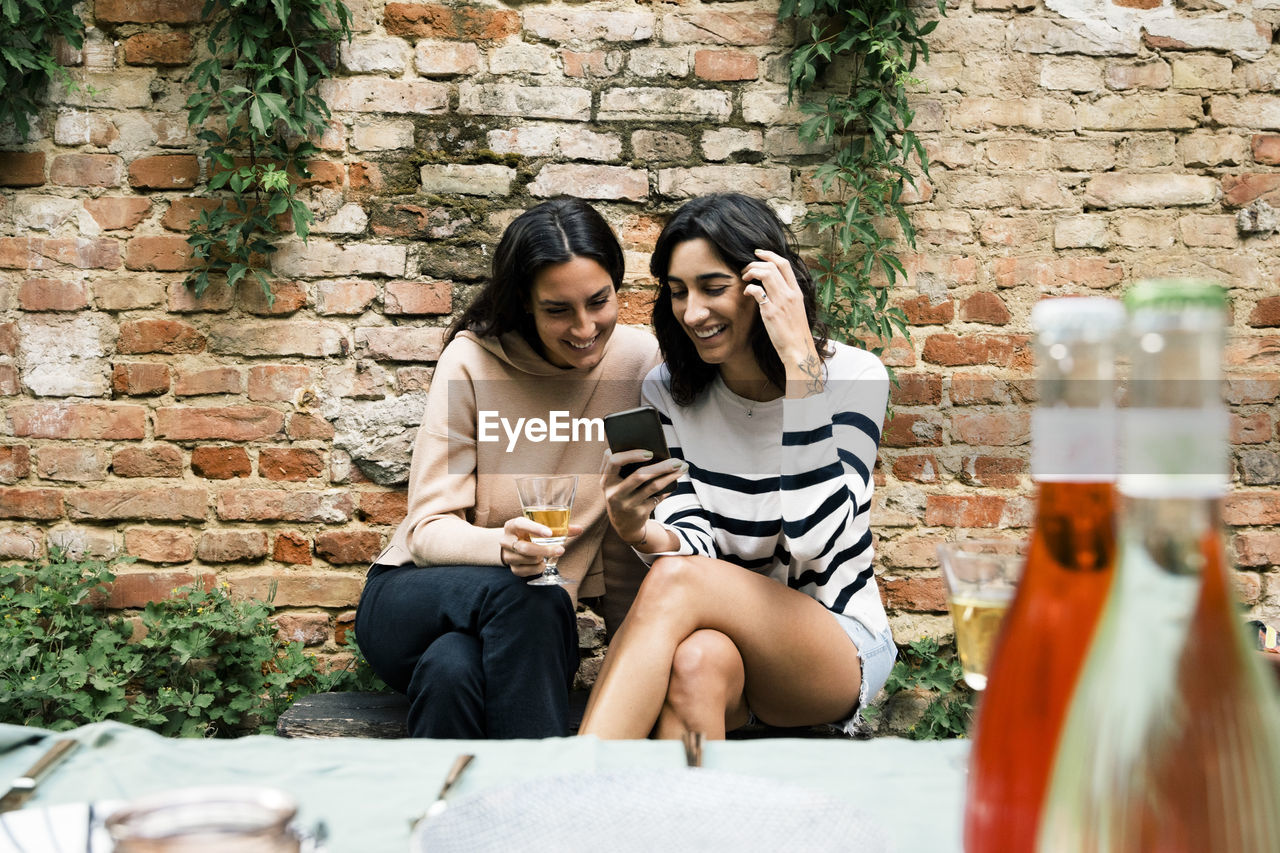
636	429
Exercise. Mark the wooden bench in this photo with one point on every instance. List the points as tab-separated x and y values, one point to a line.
383	715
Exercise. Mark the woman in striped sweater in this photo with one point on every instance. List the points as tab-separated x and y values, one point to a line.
760	598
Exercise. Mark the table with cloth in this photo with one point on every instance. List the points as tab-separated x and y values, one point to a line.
367	791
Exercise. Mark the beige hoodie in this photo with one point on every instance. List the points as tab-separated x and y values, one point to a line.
462	490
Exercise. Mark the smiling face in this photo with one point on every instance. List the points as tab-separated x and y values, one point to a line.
708	302
574	309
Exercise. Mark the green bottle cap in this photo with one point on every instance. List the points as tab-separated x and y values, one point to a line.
1175	293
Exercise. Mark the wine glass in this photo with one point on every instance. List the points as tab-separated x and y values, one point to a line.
548	501
981	577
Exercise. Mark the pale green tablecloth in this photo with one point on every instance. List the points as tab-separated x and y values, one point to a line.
366	790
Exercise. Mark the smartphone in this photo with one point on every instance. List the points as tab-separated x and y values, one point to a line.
636	429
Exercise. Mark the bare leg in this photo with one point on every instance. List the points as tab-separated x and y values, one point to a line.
800	667
706	691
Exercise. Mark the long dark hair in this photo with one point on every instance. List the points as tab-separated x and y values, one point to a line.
735	225
554	232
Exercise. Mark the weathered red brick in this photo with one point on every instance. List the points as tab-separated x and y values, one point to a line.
349	547
910	552
985	307
725	65
1047	272
1266	312
158	48
9	385
183	211
323	173
183	299
51	294
160	253
138	588
591	63
79	420
1266	149
1002	428
1239	190
905	429
21	168
1257	548
300	589
310	629
212	380
8	339
289	463
113	212
302	426
291	547
1240	509
344	623
220	463
418	297
160	544
924	311
465	23
964	510
917	469
169	503
278	382
153	460
1251	429
159	335
148	11
31	503
21	543
996	472
410	380
287	297
277	505
138	379
364	177
72	463
344	297
38	253
232	546
1000	350
229	423
86	170
916	389
383	507
921	593
15	462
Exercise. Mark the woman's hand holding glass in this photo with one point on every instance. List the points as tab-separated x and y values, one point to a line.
630	500
523	557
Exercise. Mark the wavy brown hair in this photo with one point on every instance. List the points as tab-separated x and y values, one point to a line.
735	225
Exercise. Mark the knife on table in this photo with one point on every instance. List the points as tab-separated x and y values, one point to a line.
24	787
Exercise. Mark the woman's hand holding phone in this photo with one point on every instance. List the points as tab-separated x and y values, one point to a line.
630	500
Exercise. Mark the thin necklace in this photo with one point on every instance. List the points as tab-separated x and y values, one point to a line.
751	410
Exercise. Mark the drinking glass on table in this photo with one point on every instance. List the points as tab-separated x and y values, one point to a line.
980	576
548	501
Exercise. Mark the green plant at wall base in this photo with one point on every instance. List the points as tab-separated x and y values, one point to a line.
204	665
850	68
926	665
259	85
28	29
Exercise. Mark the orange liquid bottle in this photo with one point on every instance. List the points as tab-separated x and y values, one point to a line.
1066	579
1172	740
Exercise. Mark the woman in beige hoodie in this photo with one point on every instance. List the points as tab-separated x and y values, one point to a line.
446	616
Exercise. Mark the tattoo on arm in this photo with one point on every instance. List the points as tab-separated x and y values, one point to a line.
812	368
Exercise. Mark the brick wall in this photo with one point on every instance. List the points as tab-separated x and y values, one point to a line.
1073	151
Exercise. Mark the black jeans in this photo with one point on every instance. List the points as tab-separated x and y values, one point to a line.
479	653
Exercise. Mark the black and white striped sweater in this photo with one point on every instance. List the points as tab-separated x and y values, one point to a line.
783	487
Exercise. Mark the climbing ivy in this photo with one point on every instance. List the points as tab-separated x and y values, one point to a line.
257	109
850	70
28	31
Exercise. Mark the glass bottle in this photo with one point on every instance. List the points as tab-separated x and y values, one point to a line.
1172	741
1065	582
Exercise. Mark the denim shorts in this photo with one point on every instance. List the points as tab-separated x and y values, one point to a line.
876	652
